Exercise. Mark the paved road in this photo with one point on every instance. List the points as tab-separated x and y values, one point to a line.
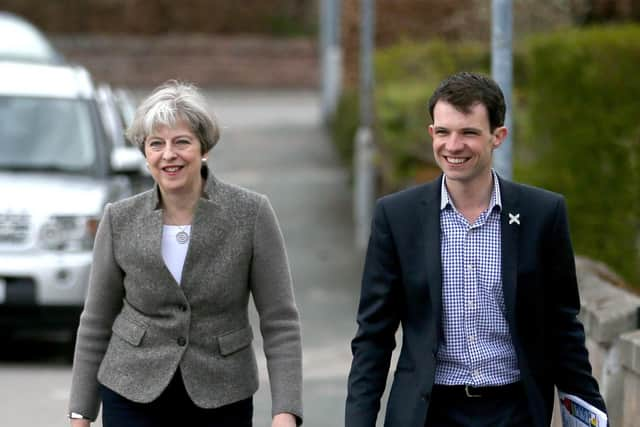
271	142
278	147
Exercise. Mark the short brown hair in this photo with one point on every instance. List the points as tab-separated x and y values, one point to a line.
465	89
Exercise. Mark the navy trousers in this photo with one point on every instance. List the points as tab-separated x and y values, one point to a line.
172	408
451	407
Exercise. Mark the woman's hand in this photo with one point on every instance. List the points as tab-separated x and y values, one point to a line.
81	423
282	420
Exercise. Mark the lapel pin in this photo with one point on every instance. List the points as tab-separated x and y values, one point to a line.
514	218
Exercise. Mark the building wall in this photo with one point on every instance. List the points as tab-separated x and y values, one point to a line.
206	60
168	16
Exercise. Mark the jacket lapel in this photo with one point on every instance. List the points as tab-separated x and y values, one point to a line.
431	236
510	218
209	229
151	232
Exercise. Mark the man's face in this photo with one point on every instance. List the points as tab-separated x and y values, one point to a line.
463	143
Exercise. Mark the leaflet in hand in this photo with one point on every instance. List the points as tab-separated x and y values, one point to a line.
578	413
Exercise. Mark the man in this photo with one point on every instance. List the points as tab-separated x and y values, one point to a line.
480	273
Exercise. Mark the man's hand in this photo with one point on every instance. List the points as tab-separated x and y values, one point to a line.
80	423
282	420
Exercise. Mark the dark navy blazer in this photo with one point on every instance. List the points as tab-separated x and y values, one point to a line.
402	285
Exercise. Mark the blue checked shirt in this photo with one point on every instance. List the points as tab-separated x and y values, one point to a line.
475	347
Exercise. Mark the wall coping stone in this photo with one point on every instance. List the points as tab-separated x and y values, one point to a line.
630	351
607	310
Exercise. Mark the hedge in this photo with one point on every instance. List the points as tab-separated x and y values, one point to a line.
582	136
576	108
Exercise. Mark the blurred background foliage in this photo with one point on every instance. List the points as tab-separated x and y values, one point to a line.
576	110
580	135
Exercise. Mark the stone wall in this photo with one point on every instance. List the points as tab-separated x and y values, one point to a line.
167	16
206	60
611	317
249	43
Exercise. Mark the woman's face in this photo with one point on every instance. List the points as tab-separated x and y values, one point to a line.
174	156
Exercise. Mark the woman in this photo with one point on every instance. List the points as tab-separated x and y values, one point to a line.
164	338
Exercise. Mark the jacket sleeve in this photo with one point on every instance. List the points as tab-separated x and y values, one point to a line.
102	304
572	370
272	290
378	320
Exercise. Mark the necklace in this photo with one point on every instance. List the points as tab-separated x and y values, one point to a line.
182	236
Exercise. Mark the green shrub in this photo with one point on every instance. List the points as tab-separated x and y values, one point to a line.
576	109
582	136
344	124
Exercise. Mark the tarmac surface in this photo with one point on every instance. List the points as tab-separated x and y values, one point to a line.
272	142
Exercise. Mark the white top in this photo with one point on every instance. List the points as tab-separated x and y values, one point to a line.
174	253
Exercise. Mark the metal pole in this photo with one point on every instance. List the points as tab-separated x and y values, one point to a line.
366	62
364	180
502	73
330	56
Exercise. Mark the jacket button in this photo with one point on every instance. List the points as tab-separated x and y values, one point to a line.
182	341
183	308
426	396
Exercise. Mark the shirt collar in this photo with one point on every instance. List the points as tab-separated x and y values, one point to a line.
496	199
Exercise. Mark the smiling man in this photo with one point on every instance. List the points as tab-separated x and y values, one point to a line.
479	272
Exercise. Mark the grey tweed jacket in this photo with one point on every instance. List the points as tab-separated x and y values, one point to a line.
138	325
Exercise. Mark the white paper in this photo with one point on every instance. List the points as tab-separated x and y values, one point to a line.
578	413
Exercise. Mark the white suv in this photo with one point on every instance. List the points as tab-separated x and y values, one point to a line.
58	169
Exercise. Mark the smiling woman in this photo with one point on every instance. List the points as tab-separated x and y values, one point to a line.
175	132
175	158
165	329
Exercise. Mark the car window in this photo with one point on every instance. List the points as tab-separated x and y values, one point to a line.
46	134
110	116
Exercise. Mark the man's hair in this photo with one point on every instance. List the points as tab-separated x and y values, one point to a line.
465	89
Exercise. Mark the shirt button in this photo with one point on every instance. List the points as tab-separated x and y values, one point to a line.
183	308
472	338
182	341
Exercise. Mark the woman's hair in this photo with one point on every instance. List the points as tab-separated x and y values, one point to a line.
172	101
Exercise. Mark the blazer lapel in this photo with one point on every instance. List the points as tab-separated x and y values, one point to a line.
149	231
209	229
510	231
153	225
431	236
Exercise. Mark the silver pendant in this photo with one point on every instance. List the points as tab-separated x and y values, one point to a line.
182	237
